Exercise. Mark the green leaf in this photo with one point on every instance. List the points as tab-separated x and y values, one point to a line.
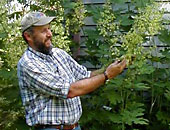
163	116
113	96
147	69
92	34
133	114
141	3
22	1
125	20
7	74
117	82
141	121
69	5
141	86
166	55
95	12
164	36
118	1
115	118
167	94
3	35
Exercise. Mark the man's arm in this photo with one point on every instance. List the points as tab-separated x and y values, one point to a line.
99	71
88	85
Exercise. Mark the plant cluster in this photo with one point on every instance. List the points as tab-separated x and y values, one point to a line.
131	100
11	48
75	17
108	28
132	42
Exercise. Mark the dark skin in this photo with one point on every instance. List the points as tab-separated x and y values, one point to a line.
40	40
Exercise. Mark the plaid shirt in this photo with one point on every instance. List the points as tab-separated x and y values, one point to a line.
44	82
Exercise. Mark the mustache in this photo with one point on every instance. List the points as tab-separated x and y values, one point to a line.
48	39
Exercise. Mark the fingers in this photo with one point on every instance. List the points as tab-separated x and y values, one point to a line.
123	63
115	68
116	62
119	62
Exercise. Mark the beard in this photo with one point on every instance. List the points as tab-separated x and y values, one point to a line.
40	46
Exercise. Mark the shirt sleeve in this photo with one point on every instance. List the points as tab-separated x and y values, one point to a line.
46	82
79	71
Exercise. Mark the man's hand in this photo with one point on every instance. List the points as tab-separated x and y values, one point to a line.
115	68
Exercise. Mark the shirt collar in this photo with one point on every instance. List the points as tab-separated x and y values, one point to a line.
44	56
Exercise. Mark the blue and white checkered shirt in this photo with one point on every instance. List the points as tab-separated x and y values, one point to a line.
44	82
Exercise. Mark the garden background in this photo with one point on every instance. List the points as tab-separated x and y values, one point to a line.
95	33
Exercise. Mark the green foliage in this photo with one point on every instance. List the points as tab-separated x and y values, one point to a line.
133	114
75	17
164	36
11	48
139	97
11	41
11	108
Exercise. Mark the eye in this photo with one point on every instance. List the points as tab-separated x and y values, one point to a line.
49	28
44	30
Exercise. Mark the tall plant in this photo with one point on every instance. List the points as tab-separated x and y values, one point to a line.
11	48
124	99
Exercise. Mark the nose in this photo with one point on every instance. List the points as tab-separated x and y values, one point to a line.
49	33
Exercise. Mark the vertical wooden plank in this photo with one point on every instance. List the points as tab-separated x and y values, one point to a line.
77	40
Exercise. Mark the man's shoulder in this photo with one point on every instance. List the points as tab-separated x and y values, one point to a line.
25	59
58	51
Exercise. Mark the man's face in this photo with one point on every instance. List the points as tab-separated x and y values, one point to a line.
41	38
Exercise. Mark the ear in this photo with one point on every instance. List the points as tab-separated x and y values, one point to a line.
28	37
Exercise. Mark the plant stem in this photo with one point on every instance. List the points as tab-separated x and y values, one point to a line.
152	89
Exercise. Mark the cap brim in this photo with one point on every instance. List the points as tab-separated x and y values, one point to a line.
44	21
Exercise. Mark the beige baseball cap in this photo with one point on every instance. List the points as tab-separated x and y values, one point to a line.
35	19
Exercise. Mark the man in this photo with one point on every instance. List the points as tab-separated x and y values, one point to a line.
51	81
